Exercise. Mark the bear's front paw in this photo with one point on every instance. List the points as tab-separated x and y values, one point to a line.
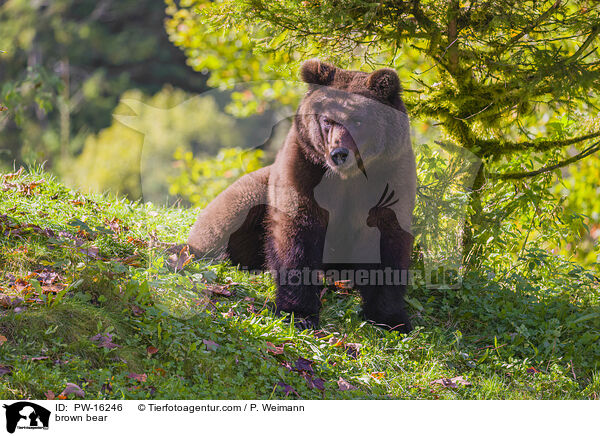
305	323
399	324
302	322
392	320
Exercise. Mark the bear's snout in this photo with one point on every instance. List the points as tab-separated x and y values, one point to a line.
339	155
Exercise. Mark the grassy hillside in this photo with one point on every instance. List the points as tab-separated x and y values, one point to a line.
89	296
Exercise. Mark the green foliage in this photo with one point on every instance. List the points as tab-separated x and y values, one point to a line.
579	194
64	64
201	180
444	181
36	88
228	54
134	156
514	83
530	332
483	69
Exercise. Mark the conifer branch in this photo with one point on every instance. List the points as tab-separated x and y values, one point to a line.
522	175
498	148
528	28
595	31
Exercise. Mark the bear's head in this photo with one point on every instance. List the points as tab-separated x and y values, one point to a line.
350	120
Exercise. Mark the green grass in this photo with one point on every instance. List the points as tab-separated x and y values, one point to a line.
525	333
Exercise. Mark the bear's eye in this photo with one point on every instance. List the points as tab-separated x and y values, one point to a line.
326	123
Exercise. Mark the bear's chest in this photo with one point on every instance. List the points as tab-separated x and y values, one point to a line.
348	238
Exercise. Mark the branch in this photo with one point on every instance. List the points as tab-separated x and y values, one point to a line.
595	31
529	28
452	31
423	20
506	147
515	176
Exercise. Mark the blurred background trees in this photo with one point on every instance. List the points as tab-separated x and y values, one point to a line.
64	65
147	130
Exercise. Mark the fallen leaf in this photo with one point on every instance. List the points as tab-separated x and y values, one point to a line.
136	241
28	188
2	340
139	377
52	289
287	389
93	252
22	285
11	176
104	340
303	364
5	369
451	382
220	289
36	359
274	349
66	235
152	350
160	371
210	345
5	301
352	349
46	277
314	383
62	397
72	388
344	284
180	258
343	385
50	395
133	260
115	225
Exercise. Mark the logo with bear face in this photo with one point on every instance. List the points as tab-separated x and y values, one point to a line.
26	415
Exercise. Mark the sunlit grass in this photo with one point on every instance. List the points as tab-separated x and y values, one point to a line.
191	344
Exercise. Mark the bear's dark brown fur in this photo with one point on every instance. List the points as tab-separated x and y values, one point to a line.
339	197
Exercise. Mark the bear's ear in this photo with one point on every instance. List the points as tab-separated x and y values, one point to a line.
385	83
316	72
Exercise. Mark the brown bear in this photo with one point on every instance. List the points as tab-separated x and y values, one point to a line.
336	204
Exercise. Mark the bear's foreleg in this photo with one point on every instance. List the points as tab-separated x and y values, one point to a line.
294	252
383	303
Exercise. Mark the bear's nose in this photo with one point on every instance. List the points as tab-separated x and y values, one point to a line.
339	155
